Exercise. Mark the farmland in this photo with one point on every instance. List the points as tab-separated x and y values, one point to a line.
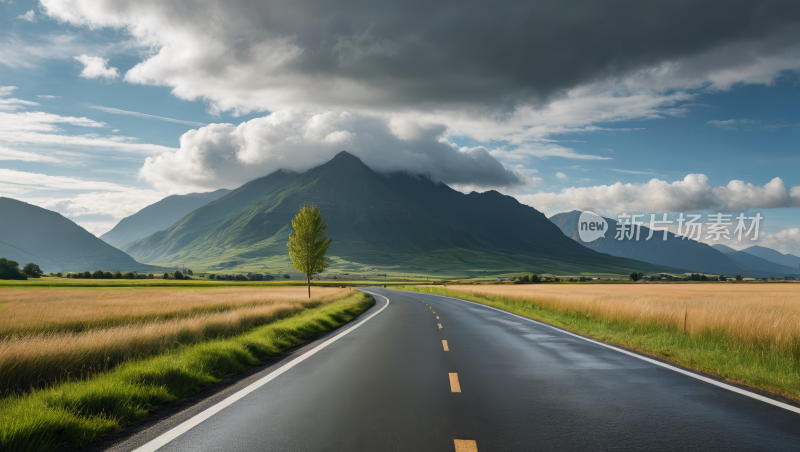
50	335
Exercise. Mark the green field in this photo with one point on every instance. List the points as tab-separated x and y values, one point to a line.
73	413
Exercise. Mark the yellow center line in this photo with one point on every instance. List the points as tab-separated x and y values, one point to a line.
454	386
466	445
440	326
446	348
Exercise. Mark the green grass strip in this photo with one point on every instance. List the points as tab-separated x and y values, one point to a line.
73	414
715	353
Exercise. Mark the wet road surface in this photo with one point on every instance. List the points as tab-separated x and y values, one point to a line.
405	380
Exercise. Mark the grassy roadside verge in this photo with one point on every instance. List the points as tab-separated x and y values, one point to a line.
73	414
716	353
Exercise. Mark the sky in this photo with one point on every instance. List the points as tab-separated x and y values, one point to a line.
107	106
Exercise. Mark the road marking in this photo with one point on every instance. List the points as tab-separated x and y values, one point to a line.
434	312
444	344
162	440
454	386
437	317
440	326
719	384
466	445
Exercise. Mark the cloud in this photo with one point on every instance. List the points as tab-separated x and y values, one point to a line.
312	57
96	67
561	176
541	150
656	196
117	143
12	181
41	122
117	204
48	96
12	104
224	155
12	154
651	173
247	56
30	16
786	241
40	129
117	111
730	123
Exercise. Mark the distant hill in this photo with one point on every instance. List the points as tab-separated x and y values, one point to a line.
33	234
753	262
771	255
394	222
675	251
158	216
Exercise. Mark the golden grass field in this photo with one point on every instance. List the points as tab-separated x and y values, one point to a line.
49	335
762	315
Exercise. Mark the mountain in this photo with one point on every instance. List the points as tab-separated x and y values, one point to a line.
33	234
771	255
675	251
158	216
395	223
753	262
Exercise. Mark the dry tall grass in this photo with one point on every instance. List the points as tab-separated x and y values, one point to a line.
67	334
765	316
78	309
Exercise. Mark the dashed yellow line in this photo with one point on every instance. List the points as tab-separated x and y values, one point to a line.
446	348
454	386
440	326
437	317
466	445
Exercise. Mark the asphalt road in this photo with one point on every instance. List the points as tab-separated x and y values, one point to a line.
389	385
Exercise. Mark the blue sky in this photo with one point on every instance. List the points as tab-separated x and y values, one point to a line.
82	78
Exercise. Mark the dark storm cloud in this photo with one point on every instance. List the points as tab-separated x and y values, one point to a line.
437	53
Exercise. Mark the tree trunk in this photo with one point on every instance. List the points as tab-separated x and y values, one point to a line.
308	278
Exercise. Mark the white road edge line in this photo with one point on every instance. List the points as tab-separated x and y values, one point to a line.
643	358
187	425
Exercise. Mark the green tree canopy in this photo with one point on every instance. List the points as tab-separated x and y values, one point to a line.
308	243
10	269
32	270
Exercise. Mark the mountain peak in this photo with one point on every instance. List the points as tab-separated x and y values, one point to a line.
344	156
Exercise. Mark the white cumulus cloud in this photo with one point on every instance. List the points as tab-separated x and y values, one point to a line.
224	155
786	241
690	194
30	16
96	67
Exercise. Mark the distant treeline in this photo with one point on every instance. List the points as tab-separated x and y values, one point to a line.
247	277
10	270
100	274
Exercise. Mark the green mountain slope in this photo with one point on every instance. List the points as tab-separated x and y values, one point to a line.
33	234
394	223
158	216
